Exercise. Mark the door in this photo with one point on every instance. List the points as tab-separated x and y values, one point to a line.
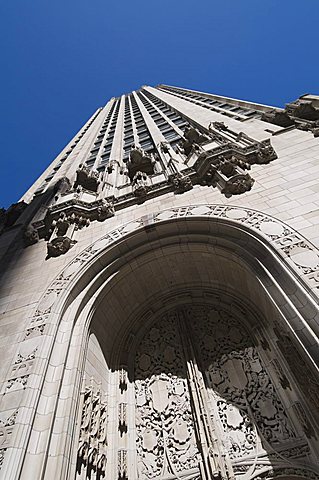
206	406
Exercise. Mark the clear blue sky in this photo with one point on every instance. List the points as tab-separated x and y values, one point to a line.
63	59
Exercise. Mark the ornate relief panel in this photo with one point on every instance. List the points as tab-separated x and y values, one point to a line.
198	373
250	411
92	458
166	445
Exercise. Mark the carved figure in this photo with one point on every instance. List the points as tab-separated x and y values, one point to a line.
302	109
140	184
301	113
10	216
277	117
30	236
265	152
139	161
87	178
218	126
228	174
193	139
59	245
239	184
182	183
164	147
93	442
62	186
61	224
105	210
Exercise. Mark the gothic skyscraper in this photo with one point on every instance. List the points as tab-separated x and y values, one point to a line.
159	296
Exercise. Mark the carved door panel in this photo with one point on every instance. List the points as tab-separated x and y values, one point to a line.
166	445
243	398
206	406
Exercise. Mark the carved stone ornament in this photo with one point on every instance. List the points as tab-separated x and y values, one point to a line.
304	421
139	162
277	117
309	127
220	156
220	126
315	130
20	372
141	184
92	455
193	139
301	371
110	166
123	380
265	152
216	156
105	210
87	178
303	109
237	185
122	464
228	174
174	414
302	113
182	183
62	186
6	428
278	234
59	245
10	216
122	418
65	217
61	224
223	350
73	211
164	147
165	429
30	236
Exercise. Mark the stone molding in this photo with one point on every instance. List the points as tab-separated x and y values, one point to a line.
298	253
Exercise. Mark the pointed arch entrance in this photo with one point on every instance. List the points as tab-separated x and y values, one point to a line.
171	270
206	405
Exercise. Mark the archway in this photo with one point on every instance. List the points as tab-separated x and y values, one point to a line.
168	281
167	268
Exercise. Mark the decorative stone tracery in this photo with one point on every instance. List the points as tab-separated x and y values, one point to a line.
92	451
165	429
247	403
6	429
245	418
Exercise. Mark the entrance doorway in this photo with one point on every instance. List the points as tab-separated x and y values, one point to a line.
206	404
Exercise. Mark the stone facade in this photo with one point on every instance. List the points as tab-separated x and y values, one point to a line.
159	296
